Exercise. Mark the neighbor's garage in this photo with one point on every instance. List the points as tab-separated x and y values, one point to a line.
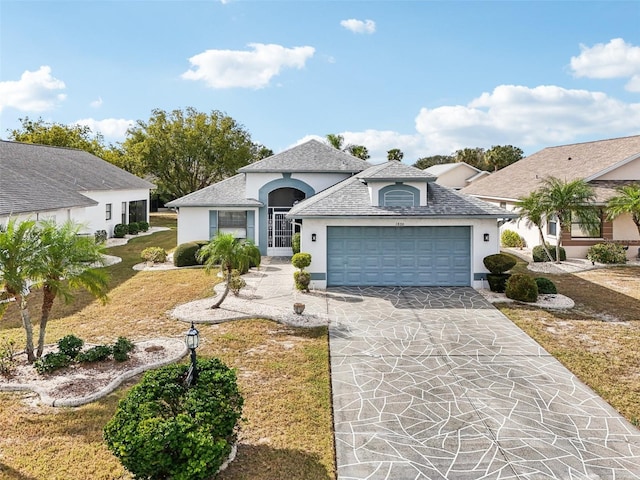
399	256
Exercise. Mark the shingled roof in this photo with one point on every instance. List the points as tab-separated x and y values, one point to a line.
395	171
350	198
36	178
311	156
229	193
585	161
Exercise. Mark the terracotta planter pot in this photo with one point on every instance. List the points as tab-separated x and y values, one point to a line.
298	308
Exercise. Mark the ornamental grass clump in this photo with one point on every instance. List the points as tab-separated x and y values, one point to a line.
165	429
154	255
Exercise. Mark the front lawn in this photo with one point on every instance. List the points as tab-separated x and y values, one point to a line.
282	371
598	339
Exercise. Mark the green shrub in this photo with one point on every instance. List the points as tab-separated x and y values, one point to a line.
539	254
511	239
70	345
301	260
52	361
522	288
236	282
185	254
7	357
154	254
100	236
133	228
302	280
120	230
254	253
295	243
499	262
607	253
121	349
143	226
546	286
498	281
95	354
163	429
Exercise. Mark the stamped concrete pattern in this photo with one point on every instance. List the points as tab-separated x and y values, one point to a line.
435	383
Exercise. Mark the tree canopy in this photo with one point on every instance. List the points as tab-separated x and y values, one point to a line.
337	142
500	156
188	150
426	162
395	154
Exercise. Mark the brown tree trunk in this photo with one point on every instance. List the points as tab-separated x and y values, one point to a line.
226	290
26	323
47	304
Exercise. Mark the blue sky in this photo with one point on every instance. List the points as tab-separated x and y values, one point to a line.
426	77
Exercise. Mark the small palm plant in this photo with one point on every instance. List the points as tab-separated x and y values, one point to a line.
627	200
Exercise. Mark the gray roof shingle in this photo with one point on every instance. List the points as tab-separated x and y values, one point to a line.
395	171
311	156
350	198
229	192
569	162
39	177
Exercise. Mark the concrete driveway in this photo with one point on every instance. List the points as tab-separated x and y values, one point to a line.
435	383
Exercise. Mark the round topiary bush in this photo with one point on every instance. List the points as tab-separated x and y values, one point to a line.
133	228
511	239
522	287
120	230
164	429
301	260
546	286
499	262
539	255
185	254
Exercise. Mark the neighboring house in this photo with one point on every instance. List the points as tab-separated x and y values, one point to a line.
44	182
456	174
604	164
388	224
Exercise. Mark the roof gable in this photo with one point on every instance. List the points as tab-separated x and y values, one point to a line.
394	171
585	161
443	168
229	192
311	156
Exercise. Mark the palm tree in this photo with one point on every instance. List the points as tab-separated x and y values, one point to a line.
20	251
627	201
68	263
567	200
226	253
335	140
532	210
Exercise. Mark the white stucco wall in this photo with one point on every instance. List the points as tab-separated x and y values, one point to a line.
629	171
60	216
318	181
193	223
318	249
95	217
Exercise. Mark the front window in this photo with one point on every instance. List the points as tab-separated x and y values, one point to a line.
108	212
552	226
233	222
580	230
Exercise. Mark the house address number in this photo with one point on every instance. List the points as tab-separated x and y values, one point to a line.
399	224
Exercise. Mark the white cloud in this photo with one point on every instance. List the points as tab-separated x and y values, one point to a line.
528	118
359	26
96	103
111	128
245	69
35	91
616	59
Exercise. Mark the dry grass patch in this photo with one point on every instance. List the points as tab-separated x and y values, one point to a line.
598	339
283	373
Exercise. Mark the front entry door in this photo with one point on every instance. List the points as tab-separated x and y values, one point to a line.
280	232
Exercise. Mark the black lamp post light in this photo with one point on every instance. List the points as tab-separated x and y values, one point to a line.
192	341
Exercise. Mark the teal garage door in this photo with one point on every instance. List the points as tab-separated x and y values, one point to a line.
399	256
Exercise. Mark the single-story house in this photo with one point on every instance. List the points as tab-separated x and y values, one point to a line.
455	174
44	182
603	164
387	224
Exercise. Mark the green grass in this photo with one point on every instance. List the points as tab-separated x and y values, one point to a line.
288	428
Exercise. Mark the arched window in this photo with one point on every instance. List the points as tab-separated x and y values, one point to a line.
399	196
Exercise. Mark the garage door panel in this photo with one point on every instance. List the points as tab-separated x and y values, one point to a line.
403	256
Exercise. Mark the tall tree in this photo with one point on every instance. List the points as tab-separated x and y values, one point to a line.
627	201
500	156
337	142
395	154
471	156
532	210
189	150
566	200
59	135
68	262
20	252
426	162
225	252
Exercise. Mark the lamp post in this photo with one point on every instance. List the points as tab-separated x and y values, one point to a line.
192	340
